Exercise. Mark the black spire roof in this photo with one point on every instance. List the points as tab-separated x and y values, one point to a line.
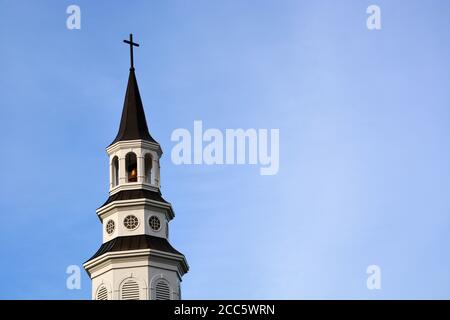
133	125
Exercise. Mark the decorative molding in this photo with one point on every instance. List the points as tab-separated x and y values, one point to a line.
130	144
133	186
144	255
147	203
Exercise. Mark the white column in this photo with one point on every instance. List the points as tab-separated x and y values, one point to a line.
156	175
153	173
140	169
110	174
122	171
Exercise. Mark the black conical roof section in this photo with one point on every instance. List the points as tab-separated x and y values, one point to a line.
133	125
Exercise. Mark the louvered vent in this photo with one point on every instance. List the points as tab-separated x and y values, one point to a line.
162	291
130	290
102	293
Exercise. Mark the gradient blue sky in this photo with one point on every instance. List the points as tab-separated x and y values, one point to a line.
364	119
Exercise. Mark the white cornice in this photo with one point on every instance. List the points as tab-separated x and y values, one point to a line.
136	202
183	266
133	186
134	144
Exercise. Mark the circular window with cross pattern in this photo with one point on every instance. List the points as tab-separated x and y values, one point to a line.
154	223
110	226
131	222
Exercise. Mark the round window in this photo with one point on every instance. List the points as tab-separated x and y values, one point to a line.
110	226
131	222
154	223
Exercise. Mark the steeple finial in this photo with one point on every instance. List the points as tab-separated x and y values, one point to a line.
131	43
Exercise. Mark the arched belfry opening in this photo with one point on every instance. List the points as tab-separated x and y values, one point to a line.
115	171
131	167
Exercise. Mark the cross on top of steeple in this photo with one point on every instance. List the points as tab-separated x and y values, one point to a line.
132	44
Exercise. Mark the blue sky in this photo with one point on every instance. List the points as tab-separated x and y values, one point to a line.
364	119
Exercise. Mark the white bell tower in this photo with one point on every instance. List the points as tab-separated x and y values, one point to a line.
136	260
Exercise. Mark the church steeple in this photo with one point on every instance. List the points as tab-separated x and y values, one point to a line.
136	260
